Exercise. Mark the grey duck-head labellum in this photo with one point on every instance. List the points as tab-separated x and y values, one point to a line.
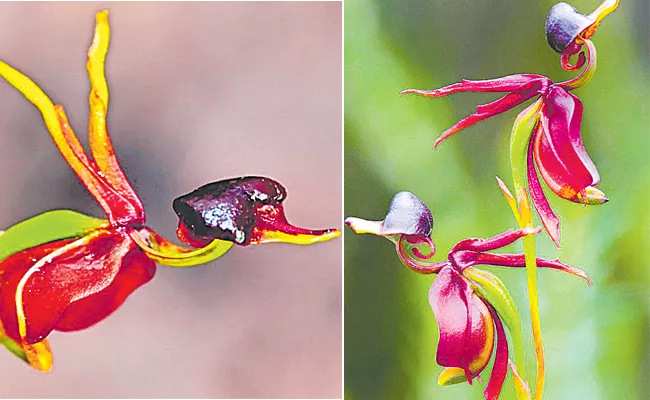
408	215
227	210
563	25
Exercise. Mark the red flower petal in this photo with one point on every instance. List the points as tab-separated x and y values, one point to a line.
559	152
136	270
40	283
500	367
550	221
522	88
464	322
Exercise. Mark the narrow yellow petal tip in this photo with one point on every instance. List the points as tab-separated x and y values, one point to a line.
451	376
302	238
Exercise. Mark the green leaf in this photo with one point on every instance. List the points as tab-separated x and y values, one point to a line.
45	228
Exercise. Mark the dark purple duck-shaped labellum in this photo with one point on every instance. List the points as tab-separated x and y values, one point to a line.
244	210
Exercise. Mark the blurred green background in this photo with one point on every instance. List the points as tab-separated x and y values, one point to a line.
595	339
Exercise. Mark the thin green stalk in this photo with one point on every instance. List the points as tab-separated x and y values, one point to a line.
519	139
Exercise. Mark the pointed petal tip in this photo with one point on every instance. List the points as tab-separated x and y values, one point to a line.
594	196
413	91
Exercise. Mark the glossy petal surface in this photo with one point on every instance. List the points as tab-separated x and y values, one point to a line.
558	149
40	283
465	325
136	270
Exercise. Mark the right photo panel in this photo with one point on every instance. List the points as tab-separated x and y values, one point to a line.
496	192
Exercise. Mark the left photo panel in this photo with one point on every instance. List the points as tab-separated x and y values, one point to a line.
172	200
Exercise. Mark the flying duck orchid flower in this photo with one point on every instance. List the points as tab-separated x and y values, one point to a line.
66	271
547	133
470	305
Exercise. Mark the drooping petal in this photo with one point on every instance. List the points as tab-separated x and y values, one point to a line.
500	367
559	151
549	219
532	86
245	211
136	270
38	285
100	143
464	322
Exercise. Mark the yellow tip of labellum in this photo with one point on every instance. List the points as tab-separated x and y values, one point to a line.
451	376
301	238
39	355
593	196
360	226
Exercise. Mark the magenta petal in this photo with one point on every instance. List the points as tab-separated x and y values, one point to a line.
559	151
466	338
509	83
500	367
485	111
519	261
495	242
550	221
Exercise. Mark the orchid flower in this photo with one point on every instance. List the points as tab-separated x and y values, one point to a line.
470	305
550	138
65	271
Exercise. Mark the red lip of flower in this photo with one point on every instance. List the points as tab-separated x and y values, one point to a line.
66	271
556	146
469	304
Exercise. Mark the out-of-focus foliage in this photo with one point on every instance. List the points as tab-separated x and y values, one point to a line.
595	339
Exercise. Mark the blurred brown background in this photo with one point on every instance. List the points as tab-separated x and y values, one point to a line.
199	92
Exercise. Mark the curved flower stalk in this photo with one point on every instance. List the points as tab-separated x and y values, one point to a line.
471	305
545	135
65	271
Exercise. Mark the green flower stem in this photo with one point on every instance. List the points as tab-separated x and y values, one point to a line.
519	139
